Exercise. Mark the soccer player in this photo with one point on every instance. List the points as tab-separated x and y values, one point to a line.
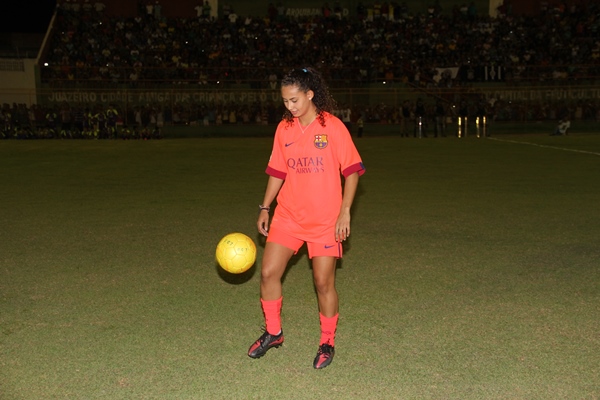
311	151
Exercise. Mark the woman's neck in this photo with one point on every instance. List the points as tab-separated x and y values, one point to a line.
308	118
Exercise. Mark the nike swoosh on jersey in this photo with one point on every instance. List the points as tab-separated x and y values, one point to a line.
328	247
289	144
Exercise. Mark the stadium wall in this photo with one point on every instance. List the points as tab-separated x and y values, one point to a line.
186	8
243	7
371	96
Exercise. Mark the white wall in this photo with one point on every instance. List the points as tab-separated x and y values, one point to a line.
17	81
494	4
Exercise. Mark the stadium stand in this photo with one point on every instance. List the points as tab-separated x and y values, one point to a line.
558	45
434	55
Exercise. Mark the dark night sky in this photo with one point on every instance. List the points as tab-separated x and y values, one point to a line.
26	16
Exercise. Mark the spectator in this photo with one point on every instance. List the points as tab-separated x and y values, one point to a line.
524	47
562	128
440	119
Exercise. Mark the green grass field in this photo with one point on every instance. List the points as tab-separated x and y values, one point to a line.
472	272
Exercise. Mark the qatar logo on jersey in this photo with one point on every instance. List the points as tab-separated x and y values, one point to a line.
320	141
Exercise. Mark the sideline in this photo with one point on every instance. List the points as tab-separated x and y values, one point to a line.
544	145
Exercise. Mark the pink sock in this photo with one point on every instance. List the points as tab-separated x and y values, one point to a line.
272	310
328	328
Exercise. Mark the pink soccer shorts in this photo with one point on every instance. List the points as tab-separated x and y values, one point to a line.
332	249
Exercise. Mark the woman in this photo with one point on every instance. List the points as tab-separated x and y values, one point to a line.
311	150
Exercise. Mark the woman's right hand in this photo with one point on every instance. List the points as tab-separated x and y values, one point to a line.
263	222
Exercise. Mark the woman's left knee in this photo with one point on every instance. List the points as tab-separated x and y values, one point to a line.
324	283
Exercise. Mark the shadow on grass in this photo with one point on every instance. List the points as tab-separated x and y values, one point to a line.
236	279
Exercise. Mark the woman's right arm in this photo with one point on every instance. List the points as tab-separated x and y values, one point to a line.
273	186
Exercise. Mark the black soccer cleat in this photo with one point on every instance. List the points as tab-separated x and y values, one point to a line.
264	343
324	356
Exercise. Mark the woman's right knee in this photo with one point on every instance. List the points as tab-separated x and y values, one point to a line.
274	262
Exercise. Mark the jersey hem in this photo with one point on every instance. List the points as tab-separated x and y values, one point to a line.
275	173
358	167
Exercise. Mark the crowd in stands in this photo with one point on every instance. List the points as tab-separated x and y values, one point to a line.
113	121
379	41
38	122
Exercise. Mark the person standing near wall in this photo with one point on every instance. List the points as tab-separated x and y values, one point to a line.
440	119
405	118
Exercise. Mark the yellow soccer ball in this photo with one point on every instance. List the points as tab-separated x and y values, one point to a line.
236	253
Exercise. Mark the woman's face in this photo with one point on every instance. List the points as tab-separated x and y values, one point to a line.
296	101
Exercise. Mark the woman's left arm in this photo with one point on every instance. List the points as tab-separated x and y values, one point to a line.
342	225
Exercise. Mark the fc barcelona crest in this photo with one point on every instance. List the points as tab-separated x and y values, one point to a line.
320	141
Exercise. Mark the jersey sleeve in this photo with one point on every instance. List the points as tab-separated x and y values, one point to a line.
349	158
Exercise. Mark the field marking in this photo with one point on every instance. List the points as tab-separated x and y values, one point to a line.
545	145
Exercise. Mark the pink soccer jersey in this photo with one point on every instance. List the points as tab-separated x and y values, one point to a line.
311	163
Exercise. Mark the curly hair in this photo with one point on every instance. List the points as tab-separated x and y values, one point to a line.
306	79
